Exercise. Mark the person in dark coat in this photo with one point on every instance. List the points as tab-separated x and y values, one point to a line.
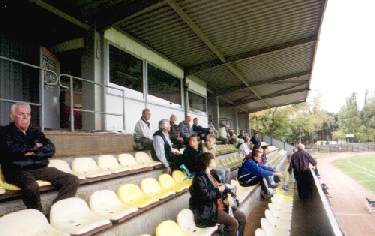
256	140
191	153
199	130
24	159
211	201
300	164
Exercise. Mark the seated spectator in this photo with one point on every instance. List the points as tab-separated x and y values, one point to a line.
210	146
211	126
264	158
241	135
252	173
191	153
211	201
256	140
25	151
163	150
245	149
185	129
223	134
202	132
175	134
232	136
142	131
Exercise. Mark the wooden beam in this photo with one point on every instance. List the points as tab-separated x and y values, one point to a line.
266	81
246	55
61	14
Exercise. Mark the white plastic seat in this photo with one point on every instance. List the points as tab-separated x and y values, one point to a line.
260	232
278	222
169	228
185	219
28	222
180	178
106	203
144	159
132	196
152	188
62	166
127	160
73	216
87	167
110	163
167	182
270	230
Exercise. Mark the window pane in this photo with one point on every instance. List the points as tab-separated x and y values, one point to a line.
163	87
197	102
125	70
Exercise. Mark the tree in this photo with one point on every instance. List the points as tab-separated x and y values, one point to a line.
349	119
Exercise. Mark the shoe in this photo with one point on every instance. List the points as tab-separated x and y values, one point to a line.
273	186
265	196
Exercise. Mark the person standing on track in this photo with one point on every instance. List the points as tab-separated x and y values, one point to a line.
300	162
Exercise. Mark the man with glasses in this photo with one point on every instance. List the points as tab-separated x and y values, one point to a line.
24	153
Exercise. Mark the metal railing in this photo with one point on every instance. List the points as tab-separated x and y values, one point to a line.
57	82
42	72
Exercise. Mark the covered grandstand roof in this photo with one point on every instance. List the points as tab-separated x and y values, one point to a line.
255	54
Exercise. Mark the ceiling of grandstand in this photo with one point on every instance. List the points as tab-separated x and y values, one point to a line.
255	54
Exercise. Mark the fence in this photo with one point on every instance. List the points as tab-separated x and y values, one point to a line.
51	78
278	143
347	147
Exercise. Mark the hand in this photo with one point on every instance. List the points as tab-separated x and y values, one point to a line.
230	200
167	170
38	145
221	188
278	174
29	154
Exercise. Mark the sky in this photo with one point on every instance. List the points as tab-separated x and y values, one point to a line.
345	59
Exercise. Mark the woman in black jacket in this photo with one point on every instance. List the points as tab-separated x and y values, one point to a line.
210	200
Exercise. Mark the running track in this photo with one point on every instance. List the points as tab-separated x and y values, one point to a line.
347	197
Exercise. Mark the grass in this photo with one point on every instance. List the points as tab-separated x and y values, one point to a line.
361	168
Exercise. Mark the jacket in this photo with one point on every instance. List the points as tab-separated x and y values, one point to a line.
203	200
251	168
190	158
14	144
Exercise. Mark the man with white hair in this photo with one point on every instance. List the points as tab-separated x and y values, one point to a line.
163	150
24	159
142	131
300	163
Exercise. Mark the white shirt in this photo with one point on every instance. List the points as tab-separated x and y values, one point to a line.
158	143
142	130
223	132
244	150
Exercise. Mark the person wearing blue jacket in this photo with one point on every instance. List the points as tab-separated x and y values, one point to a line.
252	173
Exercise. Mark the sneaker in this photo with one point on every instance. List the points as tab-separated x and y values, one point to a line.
265	196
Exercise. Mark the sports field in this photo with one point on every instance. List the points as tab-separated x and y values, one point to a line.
361	168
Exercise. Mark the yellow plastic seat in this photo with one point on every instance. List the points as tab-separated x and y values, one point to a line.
169	228
87	167
167	182
10	187
106	203
110	163
185	219
73	216
181	178
132	196
152	188
28	222
127	160
62	166
144	159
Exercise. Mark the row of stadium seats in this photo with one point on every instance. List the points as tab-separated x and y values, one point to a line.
74	216
225	149
86	168
278	216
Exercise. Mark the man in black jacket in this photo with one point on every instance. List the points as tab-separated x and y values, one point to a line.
24	159
191	153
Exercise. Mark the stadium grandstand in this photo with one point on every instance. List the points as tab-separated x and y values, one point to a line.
88	69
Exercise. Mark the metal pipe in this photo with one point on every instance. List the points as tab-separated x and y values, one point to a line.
18	101
42	102
71	92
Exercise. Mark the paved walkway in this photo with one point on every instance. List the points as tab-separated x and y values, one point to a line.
347	197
